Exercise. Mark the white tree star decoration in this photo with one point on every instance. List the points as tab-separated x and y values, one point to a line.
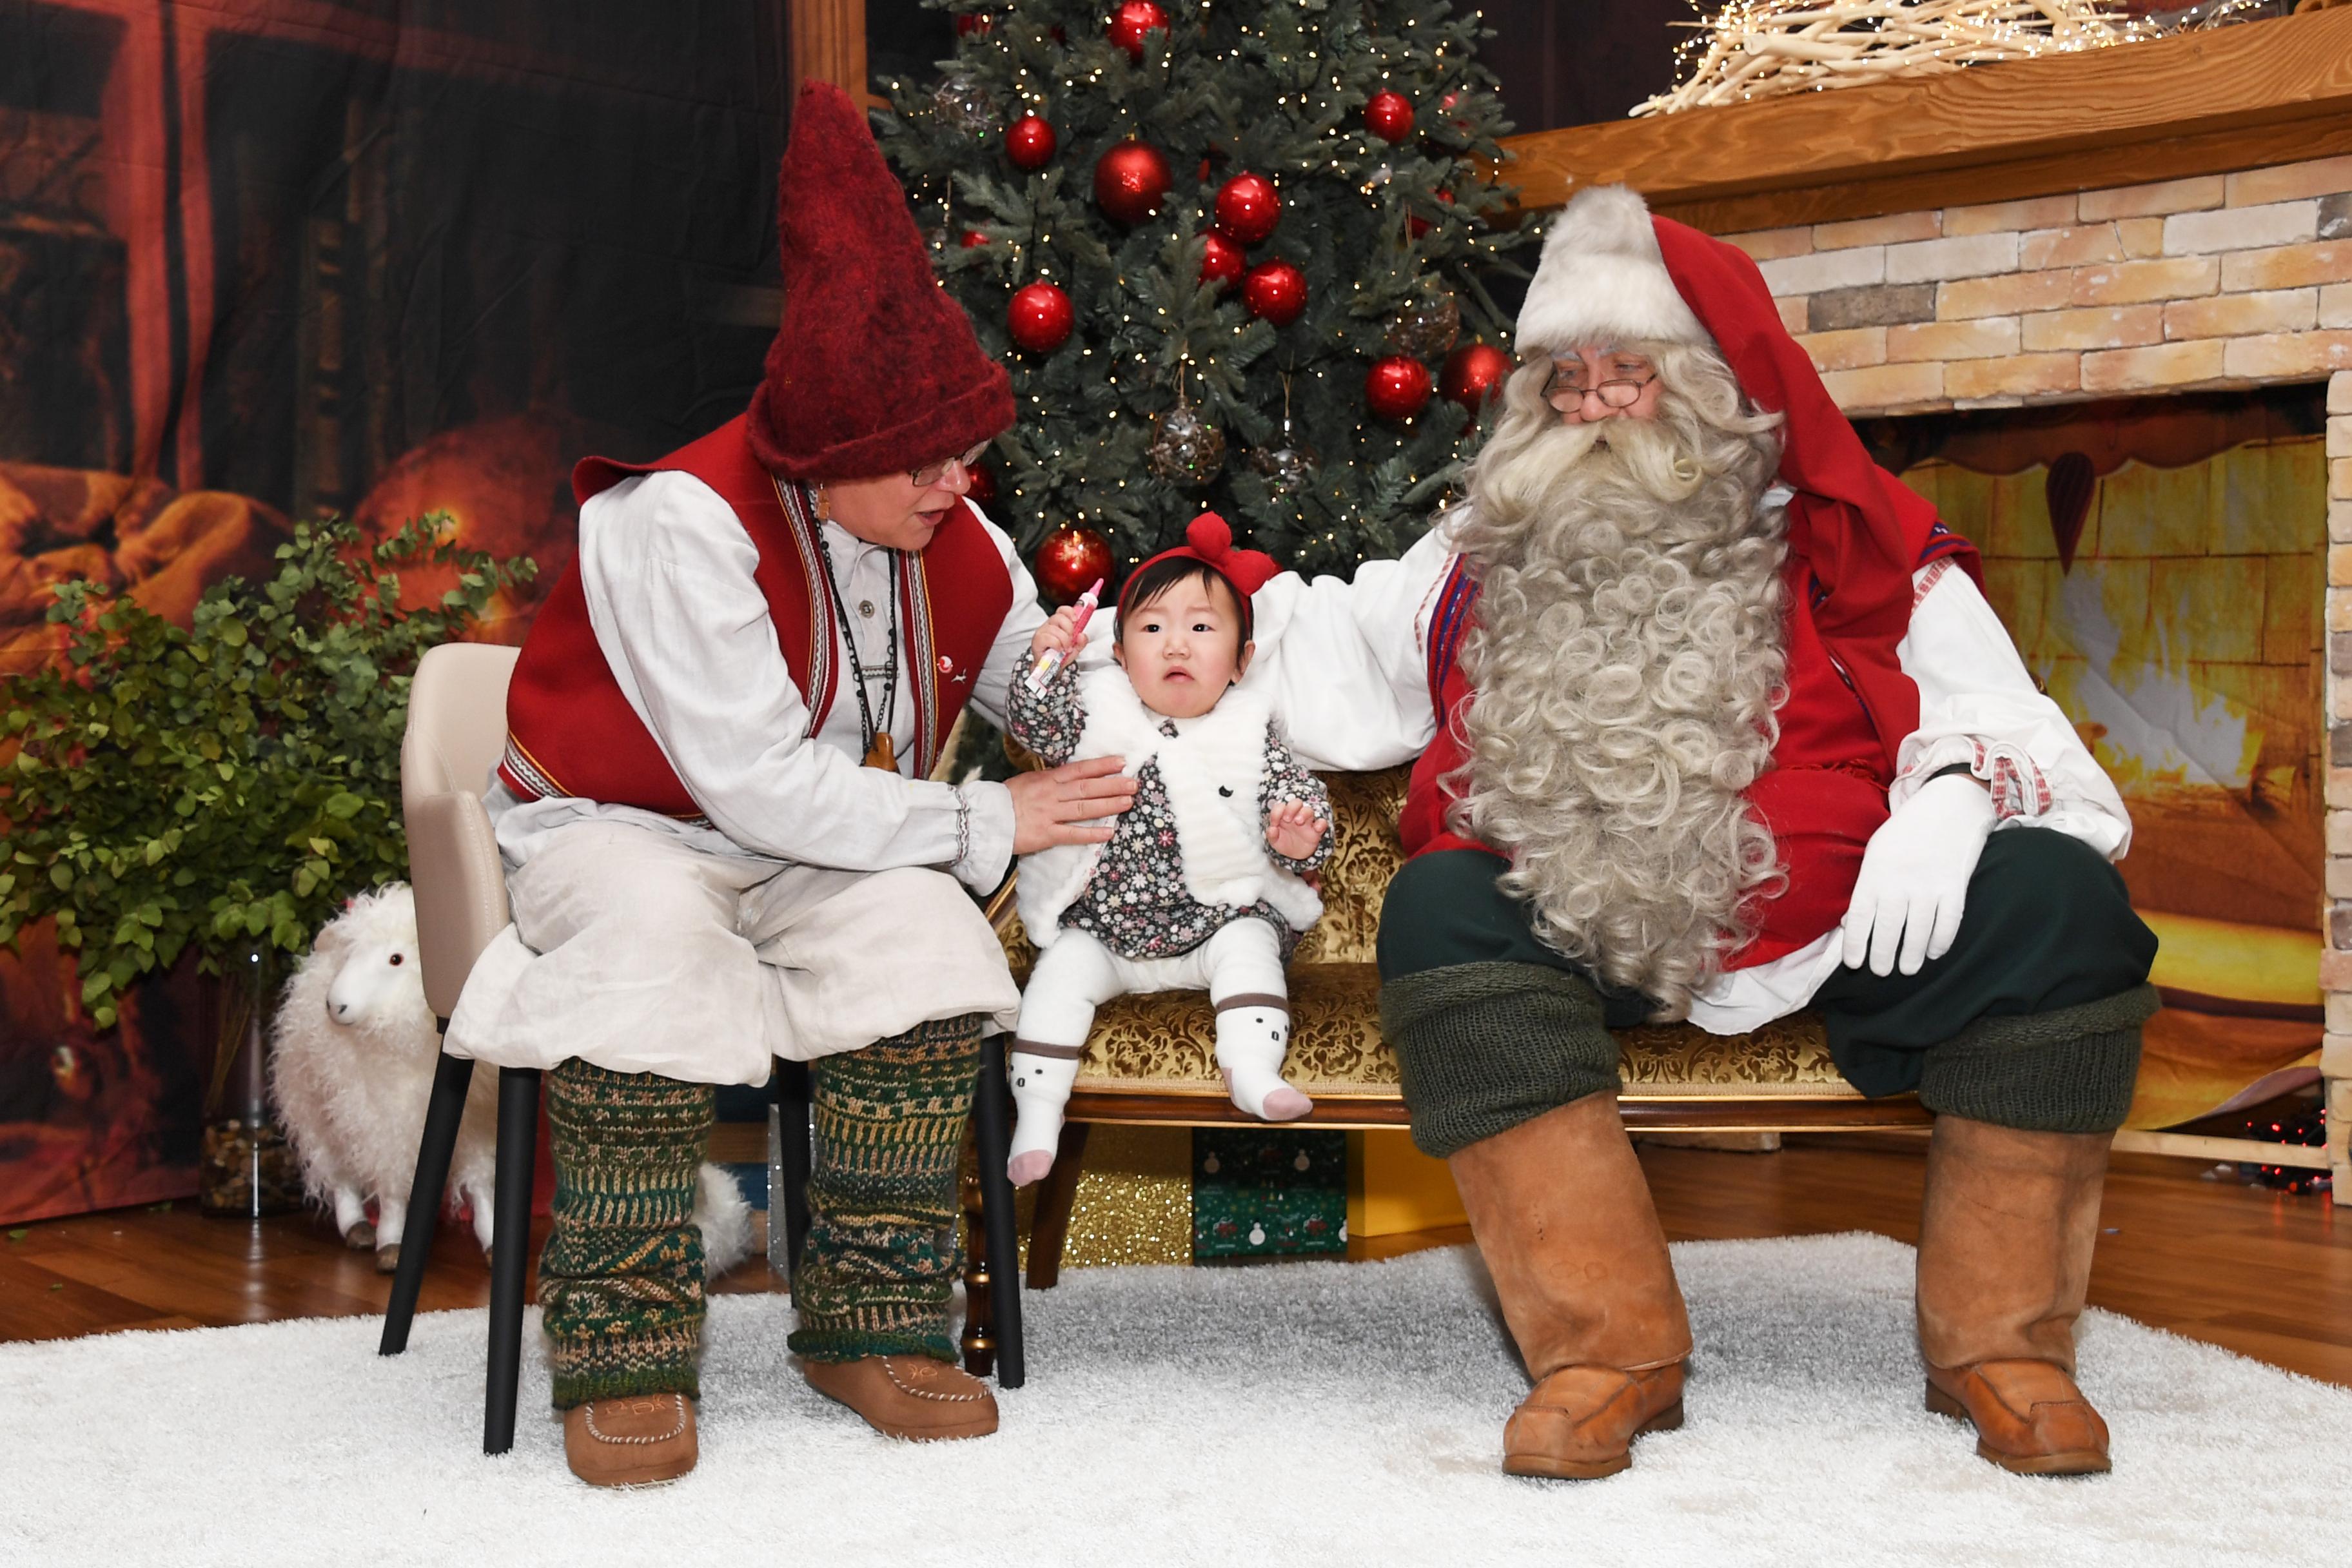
1764	48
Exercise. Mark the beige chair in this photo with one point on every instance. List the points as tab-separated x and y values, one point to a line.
457	731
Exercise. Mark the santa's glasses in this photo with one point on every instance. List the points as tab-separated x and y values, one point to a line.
1568	388
933	473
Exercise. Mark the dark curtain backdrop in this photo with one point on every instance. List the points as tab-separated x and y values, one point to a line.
260	258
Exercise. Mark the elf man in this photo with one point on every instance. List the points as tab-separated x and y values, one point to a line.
722	845
1720	726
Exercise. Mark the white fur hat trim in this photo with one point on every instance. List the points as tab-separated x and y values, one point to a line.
1602	280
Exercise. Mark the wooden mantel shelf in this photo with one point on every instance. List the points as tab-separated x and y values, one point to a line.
2235	98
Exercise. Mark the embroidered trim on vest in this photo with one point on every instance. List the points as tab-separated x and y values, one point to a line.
1447	623
804	526
922	662
526	780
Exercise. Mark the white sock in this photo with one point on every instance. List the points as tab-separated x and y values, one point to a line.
1252	1040
1041	1087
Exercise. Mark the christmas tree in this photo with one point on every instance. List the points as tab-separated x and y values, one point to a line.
1235	257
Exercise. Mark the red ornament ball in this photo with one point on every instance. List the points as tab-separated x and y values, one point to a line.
1070	560
969	22
1029	141
973	238
1221	260
1417	226
1040	318
1131	181
1248	207
982	488
1389	115
1274	291
1474	372
1130	21
1396	387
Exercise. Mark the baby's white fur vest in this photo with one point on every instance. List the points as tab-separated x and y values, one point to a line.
1215	767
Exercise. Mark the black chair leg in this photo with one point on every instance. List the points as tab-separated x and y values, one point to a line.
992	1132
509	1250
792	1093
452	1077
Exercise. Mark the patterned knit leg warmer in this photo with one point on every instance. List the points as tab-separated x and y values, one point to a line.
880	1257
621	1280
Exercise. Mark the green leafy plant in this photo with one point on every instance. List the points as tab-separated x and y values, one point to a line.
228	785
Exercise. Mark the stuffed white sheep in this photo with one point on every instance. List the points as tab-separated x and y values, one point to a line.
356	1045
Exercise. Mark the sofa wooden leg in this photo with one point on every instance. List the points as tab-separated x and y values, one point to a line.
978	1343
1056	1194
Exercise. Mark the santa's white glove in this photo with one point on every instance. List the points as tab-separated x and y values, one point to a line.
1915	876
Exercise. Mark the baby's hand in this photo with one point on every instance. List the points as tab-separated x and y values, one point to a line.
1293	829
1060	632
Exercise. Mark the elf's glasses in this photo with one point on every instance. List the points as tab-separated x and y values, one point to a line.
925	477
1568	388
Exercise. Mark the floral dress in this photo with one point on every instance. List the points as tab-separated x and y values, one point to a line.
1136	903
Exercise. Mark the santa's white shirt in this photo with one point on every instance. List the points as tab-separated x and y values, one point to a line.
1344	661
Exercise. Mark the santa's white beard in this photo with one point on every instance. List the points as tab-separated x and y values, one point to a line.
1626	659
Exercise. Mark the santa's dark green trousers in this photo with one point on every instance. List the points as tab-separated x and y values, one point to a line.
2031	1020
620	1281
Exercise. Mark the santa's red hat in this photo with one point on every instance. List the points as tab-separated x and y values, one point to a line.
1614	274
874	368
1209	540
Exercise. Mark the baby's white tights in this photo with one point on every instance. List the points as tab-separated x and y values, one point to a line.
1241	968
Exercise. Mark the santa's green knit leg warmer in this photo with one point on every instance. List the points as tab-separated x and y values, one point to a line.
1482	1048
2068	1070
880	1258
621	1280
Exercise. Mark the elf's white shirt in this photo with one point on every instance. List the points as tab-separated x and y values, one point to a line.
1213	768
1346	662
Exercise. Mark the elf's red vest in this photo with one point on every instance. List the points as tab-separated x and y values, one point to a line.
1823	797
572	733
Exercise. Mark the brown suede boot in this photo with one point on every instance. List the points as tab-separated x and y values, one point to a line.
636	1441
2005	1247
909	1396
1563	1216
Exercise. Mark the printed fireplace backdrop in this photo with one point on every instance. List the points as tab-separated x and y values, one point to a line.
2161	565
264	258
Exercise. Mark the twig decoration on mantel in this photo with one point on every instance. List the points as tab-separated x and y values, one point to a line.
1764	48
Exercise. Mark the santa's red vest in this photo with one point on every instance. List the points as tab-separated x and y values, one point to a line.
570	730
1823	797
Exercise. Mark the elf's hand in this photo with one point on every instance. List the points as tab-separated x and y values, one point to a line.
1914	885
1293	829
1060	632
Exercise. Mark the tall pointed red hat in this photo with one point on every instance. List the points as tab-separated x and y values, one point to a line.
875	367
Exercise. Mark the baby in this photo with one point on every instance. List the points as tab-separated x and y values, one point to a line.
1201	886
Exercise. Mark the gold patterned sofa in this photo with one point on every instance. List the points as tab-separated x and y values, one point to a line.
1150	1057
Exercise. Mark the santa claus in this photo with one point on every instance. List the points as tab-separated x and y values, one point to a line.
1723	727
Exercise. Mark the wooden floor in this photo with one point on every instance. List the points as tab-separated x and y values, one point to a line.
2260	1272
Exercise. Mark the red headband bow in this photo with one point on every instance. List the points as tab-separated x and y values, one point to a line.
1209	540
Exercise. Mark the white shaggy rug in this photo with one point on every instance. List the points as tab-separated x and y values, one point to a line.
1262	1417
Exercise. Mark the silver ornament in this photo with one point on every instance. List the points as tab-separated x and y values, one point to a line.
1288	467
1185	449
1426	326
962	104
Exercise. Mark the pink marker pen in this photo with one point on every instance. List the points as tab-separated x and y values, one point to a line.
1050	662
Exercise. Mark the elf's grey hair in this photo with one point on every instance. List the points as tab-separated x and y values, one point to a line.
1627	658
